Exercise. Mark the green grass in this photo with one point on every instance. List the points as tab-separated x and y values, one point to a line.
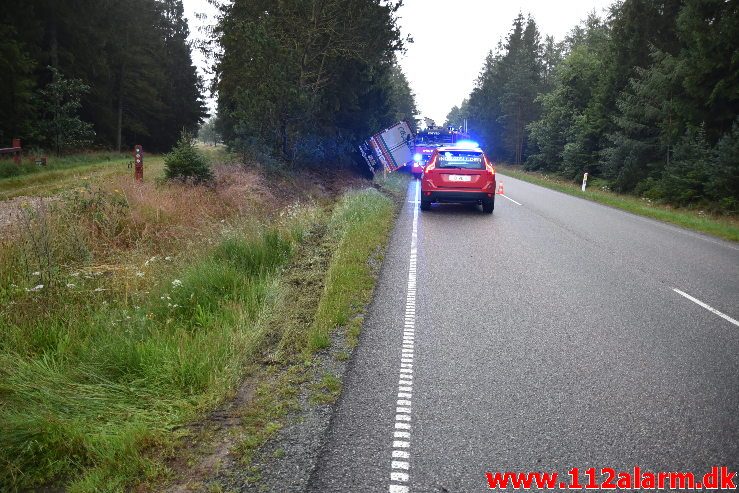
361	223
61	173
329	283
89	384
326	390
99	372
726	227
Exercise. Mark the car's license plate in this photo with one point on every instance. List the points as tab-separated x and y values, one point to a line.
460	178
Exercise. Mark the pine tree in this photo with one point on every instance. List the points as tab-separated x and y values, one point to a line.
330	70
60	126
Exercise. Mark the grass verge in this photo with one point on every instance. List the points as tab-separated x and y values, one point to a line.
126	312
361	221
327	287
31	179
726	227
130	311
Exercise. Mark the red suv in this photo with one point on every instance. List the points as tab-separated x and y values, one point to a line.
458	173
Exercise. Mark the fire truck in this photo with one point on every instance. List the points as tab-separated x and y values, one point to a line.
428	140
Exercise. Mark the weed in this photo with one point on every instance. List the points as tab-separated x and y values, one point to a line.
326	391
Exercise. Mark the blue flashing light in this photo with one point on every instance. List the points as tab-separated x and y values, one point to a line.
417	157
467	143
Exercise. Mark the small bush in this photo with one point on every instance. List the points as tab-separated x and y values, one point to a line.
185	163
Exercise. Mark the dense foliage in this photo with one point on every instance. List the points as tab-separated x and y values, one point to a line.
646	99
305	81
186	163
132	55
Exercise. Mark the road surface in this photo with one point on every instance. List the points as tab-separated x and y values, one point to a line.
556	333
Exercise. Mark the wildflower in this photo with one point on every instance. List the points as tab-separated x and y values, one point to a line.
176	283
139	274
38	287
71	286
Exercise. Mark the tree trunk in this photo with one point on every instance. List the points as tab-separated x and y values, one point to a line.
53	43
119	131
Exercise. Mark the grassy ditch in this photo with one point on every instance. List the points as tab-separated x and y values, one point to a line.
124	313
327	288
726	227
128	311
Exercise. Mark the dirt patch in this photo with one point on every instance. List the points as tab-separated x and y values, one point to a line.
209	442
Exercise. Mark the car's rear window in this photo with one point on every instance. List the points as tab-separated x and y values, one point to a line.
461	159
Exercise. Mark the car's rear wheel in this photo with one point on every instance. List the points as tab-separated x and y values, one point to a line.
488	205
425	204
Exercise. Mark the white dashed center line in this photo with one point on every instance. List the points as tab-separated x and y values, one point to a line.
707	307
506	196
400	460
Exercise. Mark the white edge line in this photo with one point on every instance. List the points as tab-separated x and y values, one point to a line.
707	307
400	468
662	224
506	196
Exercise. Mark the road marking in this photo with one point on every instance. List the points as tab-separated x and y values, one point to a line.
400	479
707	307
652	221
506	196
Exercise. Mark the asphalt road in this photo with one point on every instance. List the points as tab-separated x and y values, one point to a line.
545	336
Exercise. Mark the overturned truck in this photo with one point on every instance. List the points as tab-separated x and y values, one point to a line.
389	149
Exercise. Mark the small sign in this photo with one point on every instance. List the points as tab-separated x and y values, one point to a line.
138	158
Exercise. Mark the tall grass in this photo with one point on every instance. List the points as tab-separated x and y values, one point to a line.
107	345
85	386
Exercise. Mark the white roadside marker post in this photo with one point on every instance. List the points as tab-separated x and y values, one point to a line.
584	181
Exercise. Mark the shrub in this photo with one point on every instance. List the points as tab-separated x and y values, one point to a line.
185	163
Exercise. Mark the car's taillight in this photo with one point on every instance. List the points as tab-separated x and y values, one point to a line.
489	167
431	165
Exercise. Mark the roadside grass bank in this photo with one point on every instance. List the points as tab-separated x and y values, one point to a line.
314	320
329	292
124	312
128	311
726	227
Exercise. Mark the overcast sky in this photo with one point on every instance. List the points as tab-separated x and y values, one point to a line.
452	38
